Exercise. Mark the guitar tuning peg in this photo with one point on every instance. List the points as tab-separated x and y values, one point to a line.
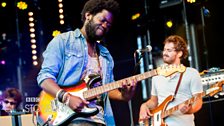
164	65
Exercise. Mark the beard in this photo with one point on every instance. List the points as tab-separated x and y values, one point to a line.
91	32
167	59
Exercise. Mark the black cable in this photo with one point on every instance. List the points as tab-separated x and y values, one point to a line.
137	62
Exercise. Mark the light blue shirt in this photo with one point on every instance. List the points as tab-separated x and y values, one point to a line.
65	60
190	84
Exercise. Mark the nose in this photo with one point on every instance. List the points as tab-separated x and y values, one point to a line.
105	25
164	52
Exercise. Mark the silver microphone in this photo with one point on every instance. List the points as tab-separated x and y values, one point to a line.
147	49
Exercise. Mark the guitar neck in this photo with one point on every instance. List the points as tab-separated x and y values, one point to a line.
175	108
91	93
215	88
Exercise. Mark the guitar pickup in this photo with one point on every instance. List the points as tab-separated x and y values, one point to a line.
54	105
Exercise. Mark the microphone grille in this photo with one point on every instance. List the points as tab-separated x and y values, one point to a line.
149	47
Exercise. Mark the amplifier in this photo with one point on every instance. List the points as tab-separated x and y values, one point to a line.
27	120
19	120
8	120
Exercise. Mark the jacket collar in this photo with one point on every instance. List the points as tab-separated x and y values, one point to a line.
103	50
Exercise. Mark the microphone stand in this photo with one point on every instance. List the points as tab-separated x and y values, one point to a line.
137	63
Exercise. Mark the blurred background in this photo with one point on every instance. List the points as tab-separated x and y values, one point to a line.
27	26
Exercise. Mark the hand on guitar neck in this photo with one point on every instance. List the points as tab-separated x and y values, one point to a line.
128	88
185	108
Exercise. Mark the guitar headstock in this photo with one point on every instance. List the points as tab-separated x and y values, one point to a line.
217	87
167	70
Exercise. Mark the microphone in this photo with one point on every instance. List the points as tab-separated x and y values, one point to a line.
147	49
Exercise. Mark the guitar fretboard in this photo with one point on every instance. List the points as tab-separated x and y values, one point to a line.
211	91
91	93
189	101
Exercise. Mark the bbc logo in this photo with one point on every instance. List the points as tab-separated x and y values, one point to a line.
32	99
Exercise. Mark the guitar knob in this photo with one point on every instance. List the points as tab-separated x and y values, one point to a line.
141	123
216	96
221	93
50	117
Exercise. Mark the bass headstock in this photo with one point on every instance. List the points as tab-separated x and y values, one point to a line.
167	70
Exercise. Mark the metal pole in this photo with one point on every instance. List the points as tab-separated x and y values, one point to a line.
190	58
194	47
148	57
19	65
205	52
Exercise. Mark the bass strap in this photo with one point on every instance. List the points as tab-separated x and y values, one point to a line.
178	84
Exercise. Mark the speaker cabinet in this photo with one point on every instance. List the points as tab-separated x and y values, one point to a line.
211	113
7	120
26	120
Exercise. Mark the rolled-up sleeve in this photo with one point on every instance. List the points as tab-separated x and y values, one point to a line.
52	58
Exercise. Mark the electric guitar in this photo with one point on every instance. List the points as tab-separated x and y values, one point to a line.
160	112
62	114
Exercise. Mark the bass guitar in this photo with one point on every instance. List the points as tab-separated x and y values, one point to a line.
160	112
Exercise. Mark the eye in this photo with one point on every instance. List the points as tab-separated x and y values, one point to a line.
104	20
169	50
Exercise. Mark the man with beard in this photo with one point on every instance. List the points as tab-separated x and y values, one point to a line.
175	50
76	55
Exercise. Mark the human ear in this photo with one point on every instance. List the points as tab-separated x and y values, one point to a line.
88	16
180	54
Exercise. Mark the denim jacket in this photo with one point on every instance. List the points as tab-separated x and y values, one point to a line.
65	59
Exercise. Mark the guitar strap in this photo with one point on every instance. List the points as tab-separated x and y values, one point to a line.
178	84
